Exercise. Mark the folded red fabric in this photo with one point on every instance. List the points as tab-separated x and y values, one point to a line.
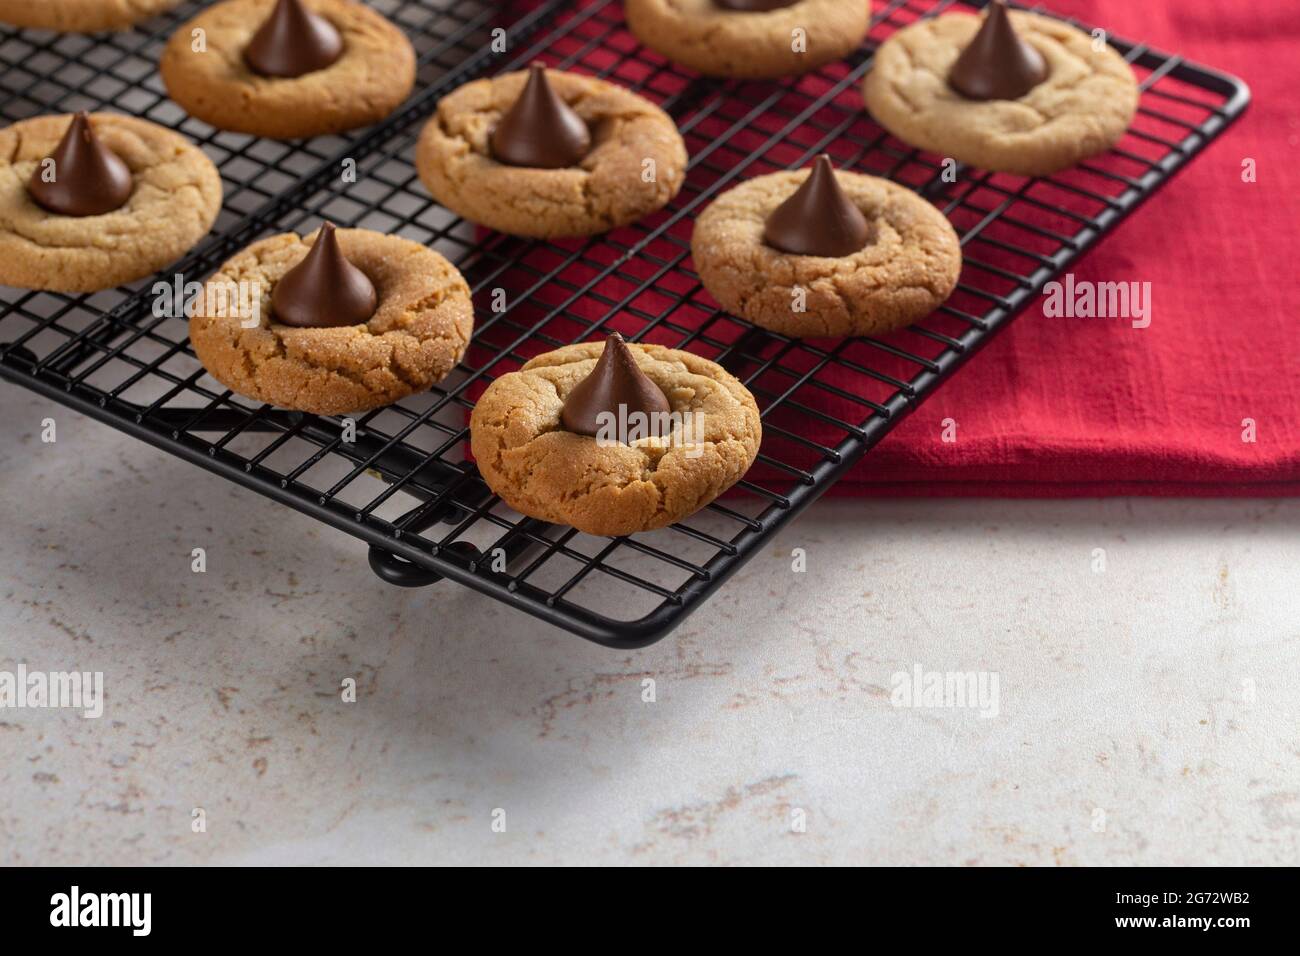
1062	407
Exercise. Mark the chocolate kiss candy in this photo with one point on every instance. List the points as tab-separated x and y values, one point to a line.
997	64
615	381
818	220
89	178
754	6
324	290
293	41
541	129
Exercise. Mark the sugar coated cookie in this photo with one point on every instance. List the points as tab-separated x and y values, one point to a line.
359	67
420	319
1081	108
905	264
633	163
604	485
750	38
166	203
80	16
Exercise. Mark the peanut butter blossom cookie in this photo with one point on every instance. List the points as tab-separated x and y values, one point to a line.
341	321
825	253
548	154
1012	92
288	68
614	438
750	38
89	202
80	16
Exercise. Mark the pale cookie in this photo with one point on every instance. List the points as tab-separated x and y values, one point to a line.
1081	109
372	77
417	335
545	472
175	198
636	164
718	42
906	271
80	16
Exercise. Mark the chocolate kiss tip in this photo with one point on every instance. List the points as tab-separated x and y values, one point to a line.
616	385
324	290
819	219
293	41
754	6
540	129
997	64
89	178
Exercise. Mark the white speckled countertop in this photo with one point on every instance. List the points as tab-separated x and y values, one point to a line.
1146	713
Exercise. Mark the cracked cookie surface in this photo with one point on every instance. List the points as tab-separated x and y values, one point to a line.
417	335
606	189
1081	109
545	472
175	197
717	42
80	16
909	267
370	80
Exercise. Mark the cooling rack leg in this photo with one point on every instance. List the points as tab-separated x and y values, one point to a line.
403	574
399	572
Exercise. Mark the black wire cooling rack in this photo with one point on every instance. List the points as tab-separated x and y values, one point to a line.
403	483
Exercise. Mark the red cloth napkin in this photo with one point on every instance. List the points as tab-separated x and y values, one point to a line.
1061	407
